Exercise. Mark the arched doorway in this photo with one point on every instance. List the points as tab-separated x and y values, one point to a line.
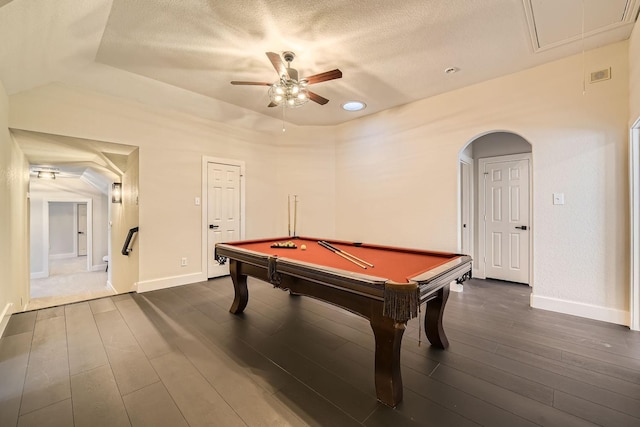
495	205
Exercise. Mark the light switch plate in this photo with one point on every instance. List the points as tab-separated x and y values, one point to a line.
558	198
197	201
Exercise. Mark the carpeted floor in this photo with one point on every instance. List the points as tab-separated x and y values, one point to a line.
68	281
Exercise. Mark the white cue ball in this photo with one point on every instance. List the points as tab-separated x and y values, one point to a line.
303	247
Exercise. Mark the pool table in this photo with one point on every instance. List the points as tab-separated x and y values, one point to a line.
387	294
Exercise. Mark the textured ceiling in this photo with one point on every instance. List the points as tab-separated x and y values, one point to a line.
390	53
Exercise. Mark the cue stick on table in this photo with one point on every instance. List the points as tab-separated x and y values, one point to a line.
335	251
295	213
289	214
348	254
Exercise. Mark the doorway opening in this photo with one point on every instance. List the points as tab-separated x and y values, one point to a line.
72	218
495	206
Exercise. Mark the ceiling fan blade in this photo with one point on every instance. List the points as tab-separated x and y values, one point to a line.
251	83
278	64
272	104
323	77
317	98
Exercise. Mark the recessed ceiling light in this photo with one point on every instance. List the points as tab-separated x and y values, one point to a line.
451	70
354	106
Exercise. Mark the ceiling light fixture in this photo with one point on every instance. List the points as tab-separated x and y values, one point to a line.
354	106
46	175
289	91
451	70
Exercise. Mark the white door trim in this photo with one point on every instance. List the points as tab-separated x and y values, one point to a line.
204	202
45	230
482	229
634	187
469	161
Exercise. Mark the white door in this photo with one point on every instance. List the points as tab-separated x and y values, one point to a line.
82	229
223	211
506	217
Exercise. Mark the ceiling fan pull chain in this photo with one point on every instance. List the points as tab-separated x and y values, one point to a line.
283	108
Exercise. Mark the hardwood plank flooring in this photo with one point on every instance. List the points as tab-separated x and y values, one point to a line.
177	357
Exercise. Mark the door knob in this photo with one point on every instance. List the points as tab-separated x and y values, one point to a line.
522	227
212	226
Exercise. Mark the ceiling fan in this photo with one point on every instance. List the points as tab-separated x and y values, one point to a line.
289	90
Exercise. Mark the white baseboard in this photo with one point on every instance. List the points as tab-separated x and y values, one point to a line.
476	274
39	275
99	267
111	287
4	317
170	282
62	256
595	312
456	287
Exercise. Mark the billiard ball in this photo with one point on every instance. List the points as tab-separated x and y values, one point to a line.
303	247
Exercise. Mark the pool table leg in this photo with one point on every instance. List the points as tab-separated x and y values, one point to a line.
240	287
433	320
388	379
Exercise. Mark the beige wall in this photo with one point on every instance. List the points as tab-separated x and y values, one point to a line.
398	175
14	249
634	75
125	269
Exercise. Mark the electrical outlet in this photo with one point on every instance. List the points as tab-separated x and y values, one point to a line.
183	263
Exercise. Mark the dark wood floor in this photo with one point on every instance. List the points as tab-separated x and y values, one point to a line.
177	357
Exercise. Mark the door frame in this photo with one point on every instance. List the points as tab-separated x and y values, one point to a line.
45	230
634	203
482	217
204	203
470	194
76	210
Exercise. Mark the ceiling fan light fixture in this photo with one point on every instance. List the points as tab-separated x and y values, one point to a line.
354	106
289	93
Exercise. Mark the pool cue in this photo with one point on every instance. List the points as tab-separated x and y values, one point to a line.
335	251
295	213
289	214
348	254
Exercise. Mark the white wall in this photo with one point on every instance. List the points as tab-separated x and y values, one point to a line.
61	229
14	249
36	238
306	167
398	175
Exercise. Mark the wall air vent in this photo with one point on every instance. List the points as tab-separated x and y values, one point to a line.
600	75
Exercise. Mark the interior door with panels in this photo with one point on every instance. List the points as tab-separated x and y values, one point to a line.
223	211
506	218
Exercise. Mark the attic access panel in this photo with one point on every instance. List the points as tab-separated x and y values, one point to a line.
559	22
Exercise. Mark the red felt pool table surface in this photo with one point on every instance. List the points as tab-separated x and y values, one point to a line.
396	264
